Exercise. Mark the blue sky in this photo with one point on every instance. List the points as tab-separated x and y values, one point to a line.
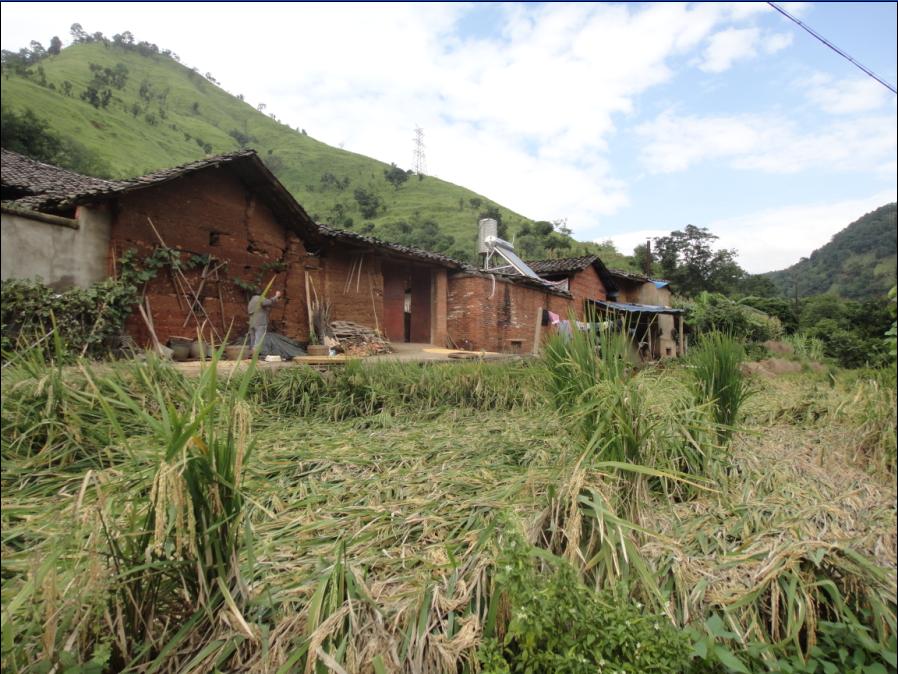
628	120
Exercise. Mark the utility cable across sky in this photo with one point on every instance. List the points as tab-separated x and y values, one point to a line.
832	46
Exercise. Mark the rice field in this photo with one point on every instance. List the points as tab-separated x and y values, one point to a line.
447	518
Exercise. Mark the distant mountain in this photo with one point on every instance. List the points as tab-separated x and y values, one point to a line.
858	263
124	109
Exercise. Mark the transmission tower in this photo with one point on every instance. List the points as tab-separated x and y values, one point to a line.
420	161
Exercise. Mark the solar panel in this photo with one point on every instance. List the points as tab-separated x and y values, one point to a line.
505	250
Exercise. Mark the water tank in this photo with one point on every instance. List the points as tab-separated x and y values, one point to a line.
488	227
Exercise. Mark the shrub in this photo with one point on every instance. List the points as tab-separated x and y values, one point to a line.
89	319
714	312
556	624
369	203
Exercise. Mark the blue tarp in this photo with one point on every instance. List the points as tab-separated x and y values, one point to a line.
637	308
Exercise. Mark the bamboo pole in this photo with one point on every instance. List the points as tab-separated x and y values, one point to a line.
189	287
309	302
537	334
373	303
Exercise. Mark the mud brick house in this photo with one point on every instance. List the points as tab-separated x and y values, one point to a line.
230	217
640	289
399	290
501	312
586	279
642	302
647	304
229	225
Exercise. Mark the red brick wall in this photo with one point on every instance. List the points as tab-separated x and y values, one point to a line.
479	321
353	282
187	212
210	212
586	285
439	306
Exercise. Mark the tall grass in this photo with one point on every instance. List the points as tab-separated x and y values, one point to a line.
805	346
590	378
629	451
172	546
718	381
587	377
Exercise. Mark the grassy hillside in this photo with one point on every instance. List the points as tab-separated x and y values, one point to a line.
858	263
163	114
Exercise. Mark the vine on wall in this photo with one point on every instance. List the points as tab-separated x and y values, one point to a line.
88	320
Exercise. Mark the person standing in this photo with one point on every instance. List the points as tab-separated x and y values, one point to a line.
258	309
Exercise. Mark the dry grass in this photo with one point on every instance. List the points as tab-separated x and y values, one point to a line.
370	542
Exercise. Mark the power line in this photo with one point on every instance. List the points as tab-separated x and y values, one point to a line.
832	46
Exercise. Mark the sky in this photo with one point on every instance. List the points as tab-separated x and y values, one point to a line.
627	120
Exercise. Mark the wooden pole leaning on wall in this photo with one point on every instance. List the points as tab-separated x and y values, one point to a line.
373	303
537	334
183	278
309	302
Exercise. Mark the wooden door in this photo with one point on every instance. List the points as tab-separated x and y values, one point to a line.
421	305
395	280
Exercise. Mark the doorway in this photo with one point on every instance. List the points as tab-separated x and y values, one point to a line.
407	302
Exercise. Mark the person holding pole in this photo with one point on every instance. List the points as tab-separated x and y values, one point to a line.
258	309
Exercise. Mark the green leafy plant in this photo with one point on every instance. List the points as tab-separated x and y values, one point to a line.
89	320
551	622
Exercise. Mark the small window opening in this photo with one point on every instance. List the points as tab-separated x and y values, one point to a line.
214	238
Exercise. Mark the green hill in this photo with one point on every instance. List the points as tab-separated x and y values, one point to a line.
130	109
858	263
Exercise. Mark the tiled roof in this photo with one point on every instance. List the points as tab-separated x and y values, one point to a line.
562	265
629	275
633	276
164	175
567	265
34	183
49	188
54	189
343	235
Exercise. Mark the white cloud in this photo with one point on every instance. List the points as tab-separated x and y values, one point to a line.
728	46
846	96
775	42
769	143
738	44
625	242
775	238
795	8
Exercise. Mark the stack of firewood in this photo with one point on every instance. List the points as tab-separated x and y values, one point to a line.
359	340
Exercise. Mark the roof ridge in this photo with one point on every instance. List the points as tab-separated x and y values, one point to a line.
195	164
